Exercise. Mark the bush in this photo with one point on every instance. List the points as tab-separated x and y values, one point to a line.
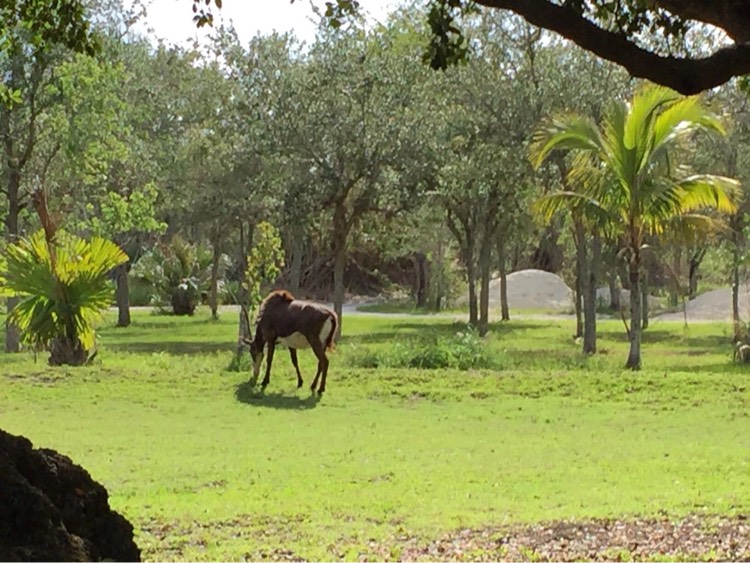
463	351
177	273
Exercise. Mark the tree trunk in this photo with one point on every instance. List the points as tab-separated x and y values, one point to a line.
548	255
213	298
12	333
739	334
122	296
338	285
295	270
473	309
694	261
485	257
504	310
674	293
420	279
589	297
614	291
438	272
634	275
339	265
644	300
581	289
243	330
65	351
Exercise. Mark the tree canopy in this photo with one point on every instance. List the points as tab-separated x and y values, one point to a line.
649	39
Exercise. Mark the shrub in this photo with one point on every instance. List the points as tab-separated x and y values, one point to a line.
464	350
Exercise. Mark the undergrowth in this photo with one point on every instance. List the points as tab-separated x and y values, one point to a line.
463	351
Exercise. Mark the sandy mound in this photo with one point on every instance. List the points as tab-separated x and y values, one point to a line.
715	305
532	289
602	296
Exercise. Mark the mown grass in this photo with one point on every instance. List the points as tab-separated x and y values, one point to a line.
208	468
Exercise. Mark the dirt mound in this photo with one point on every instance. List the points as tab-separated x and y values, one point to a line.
715	305
534	289
52	510
692	538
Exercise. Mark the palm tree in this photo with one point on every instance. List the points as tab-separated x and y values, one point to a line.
623	169
63	284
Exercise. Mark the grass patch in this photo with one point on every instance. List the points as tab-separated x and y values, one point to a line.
209	468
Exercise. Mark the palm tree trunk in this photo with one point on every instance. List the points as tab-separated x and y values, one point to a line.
634	275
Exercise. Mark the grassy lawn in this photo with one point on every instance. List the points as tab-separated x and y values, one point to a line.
208	469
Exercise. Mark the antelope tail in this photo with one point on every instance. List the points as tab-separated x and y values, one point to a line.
334	326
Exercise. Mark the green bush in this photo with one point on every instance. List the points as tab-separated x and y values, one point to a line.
139	292
463	351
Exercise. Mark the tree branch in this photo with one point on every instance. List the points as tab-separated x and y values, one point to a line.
687	76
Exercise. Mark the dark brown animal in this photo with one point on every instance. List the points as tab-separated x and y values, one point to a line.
293	323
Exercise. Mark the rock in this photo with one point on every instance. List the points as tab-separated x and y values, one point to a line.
532	289
52	510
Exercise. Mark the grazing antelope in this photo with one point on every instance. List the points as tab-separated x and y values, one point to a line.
293	323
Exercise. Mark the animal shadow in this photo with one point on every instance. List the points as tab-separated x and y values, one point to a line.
249	394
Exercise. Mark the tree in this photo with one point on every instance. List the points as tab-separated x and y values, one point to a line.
347	120
88	158
627	174
63	285
646	38
264	263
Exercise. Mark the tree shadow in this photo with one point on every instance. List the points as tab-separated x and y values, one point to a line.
247	393
654	335
183	348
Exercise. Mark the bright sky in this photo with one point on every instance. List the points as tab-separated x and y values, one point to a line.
172	20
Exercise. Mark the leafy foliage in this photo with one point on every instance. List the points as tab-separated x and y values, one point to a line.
177	265
64	286
625	179
264	262
463	351
39	25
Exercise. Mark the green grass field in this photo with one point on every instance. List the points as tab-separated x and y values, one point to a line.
207	468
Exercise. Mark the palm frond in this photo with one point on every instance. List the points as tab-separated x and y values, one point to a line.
569	131
646	104
707	191
63	298
681	118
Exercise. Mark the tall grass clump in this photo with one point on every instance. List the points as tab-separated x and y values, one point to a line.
464	350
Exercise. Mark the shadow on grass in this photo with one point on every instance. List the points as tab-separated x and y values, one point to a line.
176	348
655	335
426	330
250	395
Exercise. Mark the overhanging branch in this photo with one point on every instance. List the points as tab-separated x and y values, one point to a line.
685	75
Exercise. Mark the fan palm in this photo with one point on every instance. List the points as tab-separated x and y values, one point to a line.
64	287
624	171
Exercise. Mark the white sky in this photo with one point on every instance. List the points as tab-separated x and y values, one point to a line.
172	20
